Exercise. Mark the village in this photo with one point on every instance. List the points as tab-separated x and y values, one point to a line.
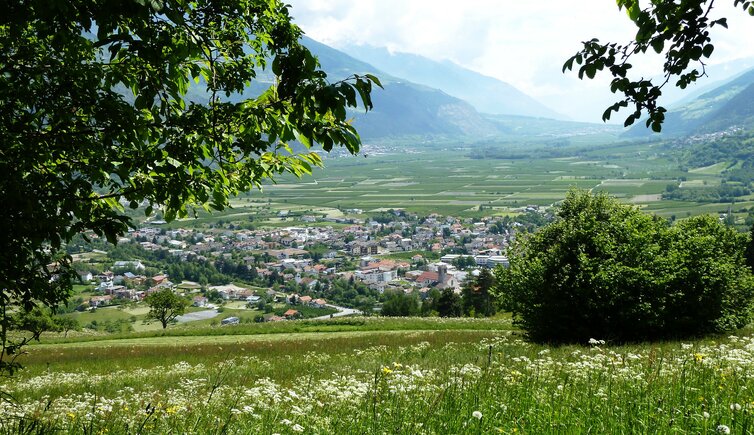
297	266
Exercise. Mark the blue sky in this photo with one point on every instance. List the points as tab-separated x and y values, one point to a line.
521	42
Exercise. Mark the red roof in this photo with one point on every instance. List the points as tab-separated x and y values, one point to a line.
290	313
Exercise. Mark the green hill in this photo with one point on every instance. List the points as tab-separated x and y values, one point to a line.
728	106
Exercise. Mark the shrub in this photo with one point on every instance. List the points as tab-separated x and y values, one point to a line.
606	270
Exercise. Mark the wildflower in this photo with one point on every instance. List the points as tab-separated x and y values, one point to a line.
477	415
297	428
386	371
595	342
698	357
705	414
735	407
723	429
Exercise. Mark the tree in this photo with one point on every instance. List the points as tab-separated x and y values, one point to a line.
449	304
98	111
677	30
606	270
749	250
399	304
477	299
165	306
66	324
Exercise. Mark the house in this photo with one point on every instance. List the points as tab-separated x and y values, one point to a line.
292	314
98	301
200	301
136	265
85	276
159	279
318	303
305	300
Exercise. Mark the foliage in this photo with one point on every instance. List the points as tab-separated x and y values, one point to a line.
165	306
400	304
98	110
477	299
449	304
66	324
19	328
606	270
677	30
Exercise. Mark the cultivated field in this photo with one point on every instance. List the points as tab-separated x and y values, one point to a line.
382	376
449	182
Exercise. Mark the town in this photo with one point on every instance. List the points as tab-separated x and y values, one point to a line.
319	266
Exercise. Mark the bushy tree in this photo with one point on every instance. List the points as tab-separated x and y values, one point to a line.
400	304
606	270
449	304
477	299
167	103
165	306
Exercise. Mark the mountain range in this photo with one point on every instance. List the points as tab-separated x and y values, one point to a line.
730	105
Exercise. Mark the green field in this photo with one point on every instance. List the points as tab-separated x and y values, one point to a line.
380	376
451	183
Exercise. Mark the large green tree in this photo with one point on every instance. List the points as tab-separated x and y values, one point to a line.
165	306
106	104
677	30
606	270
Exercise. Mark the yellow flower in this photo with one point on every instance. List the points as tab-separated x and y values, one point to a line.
386	371
71	415
698	357
172	410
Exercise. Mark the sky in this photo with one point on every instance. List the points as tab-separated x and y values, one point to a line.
523	43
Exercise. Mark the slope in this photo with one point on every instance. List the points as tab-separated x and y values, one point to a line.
486	94
403	108
728	106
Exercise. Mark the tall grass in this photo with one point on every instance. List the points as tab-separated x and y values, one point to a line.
386	382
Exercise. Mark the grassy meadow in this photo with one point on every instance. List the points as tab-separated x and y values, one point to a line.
381	376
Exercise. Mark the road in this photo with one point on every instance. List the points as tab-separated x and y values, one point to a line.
197	315
342	311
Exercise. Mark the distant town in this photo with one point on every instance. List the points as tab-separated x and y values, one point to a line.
283	273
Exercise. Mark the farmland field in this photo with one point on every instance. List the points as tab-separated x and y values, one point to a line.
373	376
449	182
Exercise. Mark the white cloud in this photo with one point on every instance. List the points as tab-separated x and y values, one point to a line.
521	42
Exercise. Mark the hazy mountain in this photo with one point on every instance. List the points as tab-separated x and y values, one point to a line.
486	94
727	106
402	107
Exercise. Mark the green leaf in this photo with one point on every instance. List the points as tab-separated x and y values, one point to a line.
374	79
658	44
707	50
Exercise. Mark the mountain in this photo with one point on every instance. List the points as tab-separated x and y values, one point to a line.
486	94
727	106
403	108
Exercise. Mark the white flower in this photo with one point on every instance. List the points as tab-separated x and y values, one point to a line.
705	414
595	342
723	429
735	407
477	415
297	428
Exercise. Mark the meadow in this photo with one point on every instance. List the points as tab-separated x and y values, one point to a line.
379	376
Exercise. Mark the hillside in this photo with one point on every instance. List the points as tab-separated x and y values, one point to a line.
403	108
486	94
728	106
